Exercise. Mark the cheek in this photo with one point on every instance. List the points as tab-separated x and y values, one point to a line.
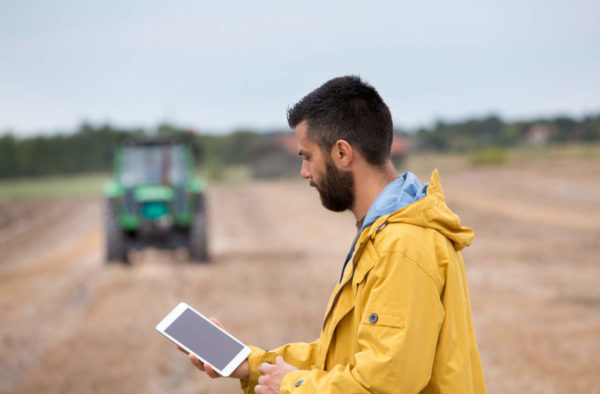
319	176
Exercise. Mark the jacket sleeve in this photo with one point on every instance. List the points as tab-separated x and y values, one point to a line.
301	355
397	335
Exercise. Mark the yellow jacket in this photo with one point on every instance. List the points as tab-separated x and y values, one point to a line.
400	319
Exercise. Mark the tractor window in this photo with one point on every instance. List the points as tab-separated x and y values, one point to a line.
153	164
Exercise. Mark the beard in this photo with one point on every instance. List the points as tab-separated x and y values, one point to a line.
336	189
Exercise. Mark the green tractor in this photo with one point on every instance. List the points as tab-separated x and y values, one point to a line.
155	200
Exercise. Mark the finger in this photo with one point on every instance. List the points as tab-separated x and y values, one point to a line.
196	362
264	368
216	321
258	389
181	349
210	371
280	361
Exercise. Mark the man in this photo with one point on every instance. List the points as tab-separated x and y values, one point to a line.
399	321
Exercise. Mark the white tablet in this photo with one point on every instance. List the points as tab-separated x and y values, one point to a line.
199	336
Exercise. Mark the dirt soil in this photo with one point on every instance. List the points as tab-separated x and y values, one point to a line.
73	324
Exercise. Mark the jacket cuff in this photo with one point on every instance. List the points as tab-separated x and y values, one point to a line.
293	381
256	357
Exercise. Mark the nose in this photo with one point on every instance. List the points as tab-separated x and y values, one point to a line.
305	171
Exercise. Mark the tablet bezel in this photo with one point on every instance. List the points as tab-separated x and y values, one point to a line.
176	312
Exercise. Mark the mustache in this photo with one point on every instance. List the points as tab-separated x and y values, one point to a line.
313	184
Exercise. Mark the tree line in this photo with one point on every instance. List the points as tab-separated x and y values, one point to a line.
90	147
492	131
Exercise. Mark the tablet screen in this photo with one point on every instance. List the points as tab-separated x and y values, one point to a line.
204	339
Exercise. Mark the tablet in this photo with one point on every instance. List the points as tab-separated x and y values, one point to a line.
197	335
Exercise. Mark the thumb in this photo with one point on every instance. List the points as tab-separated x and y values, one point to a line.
216	321
279	360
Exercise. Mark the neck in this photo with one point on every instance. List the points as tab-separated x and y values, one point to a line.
369	181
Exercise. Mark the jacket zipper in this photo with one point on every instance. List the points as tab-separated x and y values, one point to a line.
357	254
335	297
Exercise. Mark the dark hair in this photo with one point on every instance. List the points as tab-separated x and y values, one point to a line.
349	109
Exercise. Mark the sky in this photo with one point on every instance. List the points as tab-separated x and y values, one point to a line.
216	66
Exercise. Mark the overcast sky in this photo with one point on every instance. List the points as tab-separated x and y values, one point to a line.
219	65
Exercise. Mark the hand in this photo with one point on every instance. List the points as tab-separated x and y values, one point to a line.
272	375
241	372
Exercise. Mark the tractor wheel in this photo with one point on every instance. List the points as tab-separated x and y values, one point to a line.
116	242
198	239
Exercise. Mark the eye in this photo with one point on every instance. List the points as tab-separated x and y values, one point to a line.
305	157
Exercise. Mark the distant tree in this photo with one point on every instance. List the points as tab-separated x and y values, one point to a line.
490	131
90	147
511	134
564	127
432	140
240	145
8	156
590	128
233	148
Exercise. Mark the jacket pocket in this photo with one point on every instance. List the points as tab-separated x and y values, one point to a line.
375	318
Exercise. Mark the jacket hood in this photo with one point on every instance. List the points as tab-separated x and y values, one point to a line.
403	191
406	200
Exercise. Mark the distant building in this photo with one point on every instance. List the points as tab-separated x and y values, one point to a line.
399	151
278	156
539	134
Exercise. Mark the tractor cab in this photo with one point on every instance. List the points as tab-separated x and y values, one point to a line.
155	199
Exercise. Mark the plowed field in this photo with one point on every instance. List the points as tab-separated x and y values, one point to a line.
72	324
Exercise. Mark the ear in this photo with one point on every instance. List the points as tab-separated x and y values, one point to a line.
342	153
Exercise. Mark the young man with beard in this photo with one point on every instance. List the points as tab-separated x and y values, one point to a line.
399	320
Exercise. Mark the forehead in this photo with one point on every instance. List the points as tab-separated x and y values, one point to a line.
305	144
